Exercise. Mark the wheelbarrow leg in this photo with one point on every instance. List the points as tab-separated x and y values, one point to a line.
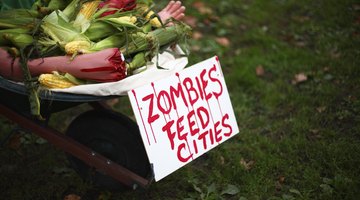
78	150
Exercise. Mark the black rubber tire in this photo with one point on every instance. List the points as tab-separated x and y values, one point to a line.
114	136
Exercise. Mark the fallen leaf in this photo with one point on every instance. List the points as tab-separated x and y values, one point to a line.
202	8
335	54
260	71
190	20
198	4
247	164
279	182
314	134
321	109
216	18
356	7
315	131
223	41
301	19
278	186
195	48
352	98
72	197
238	52
281	179
299	78
300	43
197	35
357	21
243	27
222	160
208	22
205	11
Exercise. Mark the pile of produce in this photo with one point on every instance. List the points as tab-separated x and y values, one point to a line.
63	43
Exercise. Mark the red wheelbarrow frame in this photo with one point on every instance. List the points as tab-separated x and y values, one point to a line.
68	144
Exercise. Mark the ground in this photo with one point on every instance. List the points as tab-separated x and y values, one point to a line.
292	70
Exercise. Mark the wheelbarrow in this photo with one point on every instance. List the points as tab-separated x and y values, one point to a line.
102	145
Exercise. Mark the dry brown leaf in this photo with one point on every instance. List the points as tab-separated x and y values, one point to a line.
202	8
216	18
321	109
281	179
314	134
278	186
222	160
314	131
197	35
243	27
205	11
223	41
260	71
300	43
190	20
238	52
198	4
279	183
301	19
299	78
247	164
207	22
356	7
335	54
326	69
195	48
72	197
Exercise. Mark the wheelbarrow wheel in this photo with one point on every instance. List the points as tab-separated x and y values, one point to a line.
114	136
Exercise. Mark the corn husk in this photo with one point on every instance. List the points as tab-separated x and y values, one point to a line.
153	40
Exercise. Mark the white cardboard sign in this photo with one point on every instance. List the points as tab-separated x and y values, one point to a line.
184	115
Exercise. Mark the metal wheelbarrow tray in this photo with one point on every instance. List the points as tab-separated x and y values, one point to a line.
104	146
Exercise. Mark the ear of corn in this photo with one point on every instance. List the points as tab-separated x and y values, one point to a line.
73	79
18	13
99	30
156	38
139	60
15	30
77	47
150	15
54	81
71	8
154	19
103	28
120	22
83	18
57	4
116	40
19	40
8	36
59	30
19	22
49	6
75	26
130	19
88	9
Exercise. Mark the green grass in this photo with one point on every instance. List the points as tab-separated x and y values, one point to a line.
296	141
